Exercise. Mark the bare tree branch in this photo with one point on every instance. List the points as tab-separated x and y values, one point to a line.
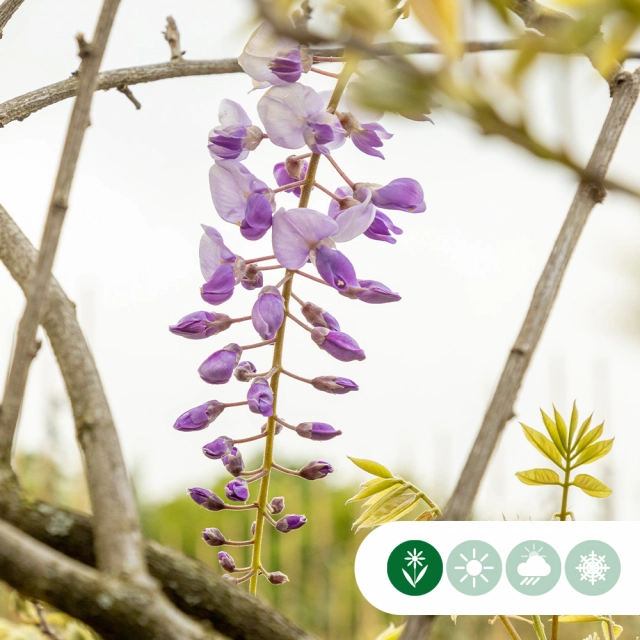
500	409
114	608
7	9
172	36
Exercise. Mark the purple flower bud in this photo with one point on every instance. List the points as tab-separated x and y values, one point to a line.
260	397
200	324
287	67
381	229
219	288
206	499
335	269
218	367
267	314
277	578
319	431
318	317
289	523
316	470
277	505
403	194
252	278
278	428
334	384
257	217
244	371
237	490
226	561
290	171
220	447
213	537
230	579
233	462
337	344
373	292
199	417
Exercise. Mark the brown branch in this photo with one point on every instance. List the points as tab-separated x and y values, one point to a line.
43	625
172	36
500	409
127	92
7	9
114	608
188	583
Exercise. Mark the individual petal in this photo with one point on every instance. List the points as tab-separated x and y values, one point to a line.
323	132
318	431
230	113
199	417
260	397
296	232
219	448
381	229
402	194
221	285
258	215
354	220
213	252
267	314
369	138
335	269
337	344
218	367
373	292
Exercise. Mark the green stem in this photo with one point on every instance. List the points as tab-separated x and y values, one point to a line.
268	462
563	516
509	627
539	628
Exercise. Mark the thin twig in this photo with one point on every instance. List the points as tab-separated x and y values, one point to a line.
500	409
7	9
172	36
509	627
44	627
124	89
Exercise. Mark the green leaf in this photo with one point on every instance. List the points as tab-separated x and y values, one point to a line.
573	425
591	486
552	429
391	511
594	452
589	438
379	486
617	630
378	496
371	482
425	516
562	428
542	444
583	430
392	633
374	468
572	619
378	501
538	477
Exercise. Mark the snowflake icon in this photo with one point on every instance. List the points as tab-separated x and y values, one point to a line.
593	567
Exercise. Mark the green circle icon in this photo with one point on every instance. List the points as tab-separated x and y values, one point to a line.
533	567
592	567
414	567
474	568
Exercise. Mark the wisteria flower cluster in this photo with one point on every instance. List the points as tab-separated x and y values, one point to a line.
294	116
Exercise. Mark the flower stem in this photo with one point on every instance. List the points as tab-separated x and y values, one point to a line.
296	377
509	627
539	628
255	345
328	192
324	73
563	516
261	259
302	324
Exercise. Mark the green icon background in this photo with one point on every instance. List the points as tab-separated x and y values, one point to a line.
533	567
474	568
414	567
592	567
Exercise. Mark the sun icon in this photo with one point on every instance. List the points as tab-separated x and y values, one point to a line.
474	568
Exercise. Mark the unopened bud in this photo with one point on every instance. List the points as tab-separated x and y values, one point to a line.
277	578
318	317
206	499
213	537
318	431
244	371
334	384
315	470
289	523
277	505
226	561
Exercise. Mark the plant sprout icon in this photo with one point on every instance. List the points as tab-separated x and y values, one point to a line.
474	568
416	560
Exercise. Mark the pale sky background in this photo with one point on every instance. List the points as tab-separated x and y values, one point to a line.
466	269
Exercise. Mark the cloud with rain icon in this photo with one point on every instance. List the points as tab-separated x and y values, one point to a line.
533	568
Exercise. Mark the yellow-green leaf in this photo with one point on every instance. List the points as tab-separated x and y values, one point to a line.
552	429
379	501
425	516
370	483
542	444
378	496
591	486
538	477
594	452
391	633
376	488
374	468
391	511
442	19
617	630
454	618
573	425
573	619
583	429
562	427
589	438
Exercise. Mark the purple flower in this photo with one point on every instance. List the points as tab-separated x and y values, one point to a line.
244	371
214	252
366	137
290	171
381	229
206	499
353	216
318	317
218	367
334	384
201	324
337	344
213	537
237	490
293	115
269	58
231	185
221	285
402	194
289	523
258	215
318	431
252	278
218	448
233	462
235	136
316	470
199	417
335	269
297	232
277	505
267	314
374	292
226	561
260	397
